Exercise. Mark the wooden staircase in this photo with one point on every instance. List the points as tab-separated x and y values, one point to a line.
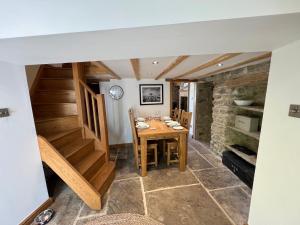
72	131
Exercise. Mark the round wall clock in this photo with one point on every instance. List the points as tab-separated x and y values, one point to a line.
116	92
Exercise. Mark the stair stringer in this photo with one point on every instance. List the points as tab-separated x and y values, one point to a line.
51	156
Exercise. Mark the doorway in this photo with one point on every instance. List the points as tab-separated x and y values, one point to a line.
179	96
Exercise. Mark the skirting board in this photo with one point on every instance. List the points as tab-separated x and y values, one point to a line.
30	218
123	145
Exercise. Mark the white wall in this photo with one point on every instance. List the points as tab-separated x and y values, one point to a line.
276	192
23	186
117	111
192	98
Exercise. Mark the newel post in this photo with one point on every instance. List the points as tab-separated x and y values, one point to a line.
78	74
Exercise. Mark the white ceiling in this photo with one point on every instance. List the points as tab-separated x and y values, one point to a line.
122	68
202	38
34	18
148	70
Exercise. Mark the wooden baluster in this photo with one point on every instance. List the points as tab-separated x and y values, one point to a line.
87	104
103	125
95	117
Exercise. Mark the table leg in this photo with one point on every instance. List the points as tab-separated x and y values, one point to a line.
143	156
183	151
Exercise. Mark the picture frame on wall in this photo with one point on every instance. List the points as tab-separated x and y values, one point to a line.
151	94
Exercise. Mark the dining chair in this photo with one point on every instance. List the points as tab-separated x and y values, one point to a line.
172	144
177	114
151	147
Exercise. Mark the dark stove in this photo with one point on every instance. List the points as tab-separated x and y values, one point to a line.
244	170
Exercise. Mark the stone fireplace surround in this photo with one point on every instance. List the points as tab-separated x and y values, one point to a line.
223	94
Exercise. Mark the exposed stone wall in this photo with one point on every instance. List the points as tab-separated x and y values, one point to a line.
223	111
204	105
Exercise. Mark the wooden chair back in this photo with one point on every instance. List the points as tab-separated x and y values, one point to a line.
133	128
185	119
134	136
177	114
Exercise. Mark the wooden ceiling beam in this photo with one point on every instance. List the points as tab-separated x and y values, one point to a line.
135	63
208	64
175	63
181	80
107	69
253	59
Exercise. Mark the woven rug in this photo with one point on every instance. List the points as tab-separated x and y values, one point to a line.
123	219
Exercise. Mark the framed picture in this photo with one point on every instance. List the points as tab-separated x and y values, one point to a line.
151	94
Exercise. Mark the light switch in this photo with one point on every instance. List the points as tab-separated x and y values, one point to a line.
4	112
294	111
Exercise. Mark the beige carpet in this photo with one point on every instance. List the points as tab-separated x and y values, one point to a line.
124	219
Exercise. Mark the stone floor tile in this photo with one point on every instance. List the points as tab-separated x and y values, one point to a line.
66	207
168	177
83	221
196	162
191	148
184	206
247	189
125	197
199	147
86	211
213	159
217	178
126	168
235	202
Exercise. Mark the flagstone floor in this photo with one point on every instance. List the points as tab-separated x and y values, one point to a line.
207	193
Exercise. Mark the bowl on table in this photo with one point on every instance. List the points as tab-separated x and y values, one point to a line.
142	125
243	102
178	127
140	119
173	124
166	118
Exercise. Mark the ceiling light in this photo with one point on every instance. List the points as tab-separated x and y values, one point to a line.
220	64
155	62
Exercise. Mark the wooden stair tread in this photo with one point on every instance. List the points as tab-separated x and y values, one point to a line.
88	161
56	78
75	146
56	91
54	96
56	68
55	136
41	120
101	176
53	103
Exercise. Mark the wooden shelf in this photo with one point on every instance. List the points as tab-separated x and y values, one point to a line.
252	108
250	134
249	158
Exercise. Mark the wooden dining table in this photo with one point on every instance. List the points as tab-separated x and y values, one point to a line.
159	130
